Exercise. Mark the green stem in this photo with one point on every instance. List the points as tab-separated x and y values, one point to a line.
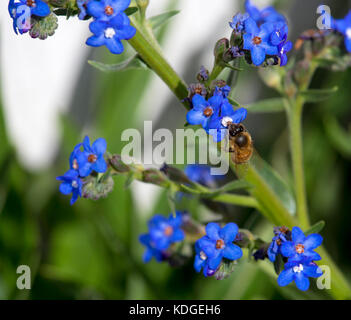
143	43
295	126
270	205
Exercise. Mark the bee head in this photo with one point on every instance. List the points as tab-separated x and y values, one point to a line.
235	129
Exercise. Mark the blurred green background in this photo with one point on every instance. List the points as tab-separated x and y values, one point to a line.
91	250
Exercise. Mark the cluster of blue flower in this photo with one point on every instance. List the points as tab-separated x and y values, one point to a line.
21	12
343	26
299	250
82	164
262	33
110	25
162	234
215	114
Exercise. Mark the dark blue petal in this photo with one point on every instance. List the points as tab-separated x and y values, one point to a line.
239	115
99	146
247	41
95	9
198	263
100	165
195	117
214	262
251	26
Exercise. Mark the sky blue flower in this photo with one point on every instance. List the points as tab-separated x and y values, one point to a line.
105	10
268	14
92	157
201	173
344	27
238	21
71	183
300	272
111	33
282	234
203	110
218	124
256	40
218	244
301	247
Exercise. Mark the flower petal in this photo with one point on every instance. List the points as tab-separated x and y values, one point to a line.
239	115
229	232
66	188
100	165
302	282
287	249
41	9
297	235
212	230
196	117
214	262
198	263
258	55
313	241
232	252
114	45
99	146
285	277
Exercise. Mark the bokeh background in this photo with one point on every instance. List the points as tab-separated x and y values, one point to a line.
50	98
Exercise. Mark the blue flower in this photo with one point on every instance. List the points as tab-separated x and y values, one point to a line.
111	33
282	234
105	10
279	32
162	234
218	124
216	245
300	272
82	6
71	183
203	110
344	27
201	173
73	159
257	41
91	158
150	251
21	16
283	48
301	247
238	22
268	14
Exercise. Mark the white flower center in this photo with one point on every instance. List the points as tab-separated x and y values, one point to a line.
74	184
109	33
226	121
203	255
298	269
348	33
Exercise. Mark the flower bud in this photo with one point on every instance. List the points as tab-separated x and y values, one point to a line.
155	177
43	27
118	165
95	188
174	174
221	46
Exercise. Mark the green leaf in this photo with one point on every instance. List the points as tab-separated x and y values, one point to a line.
159	20
133	62
235	185
317	95
267	106
131	10
316	228
234	102
340	139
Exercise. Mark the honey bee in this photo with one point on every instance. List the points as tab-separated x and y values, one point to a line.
240	143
